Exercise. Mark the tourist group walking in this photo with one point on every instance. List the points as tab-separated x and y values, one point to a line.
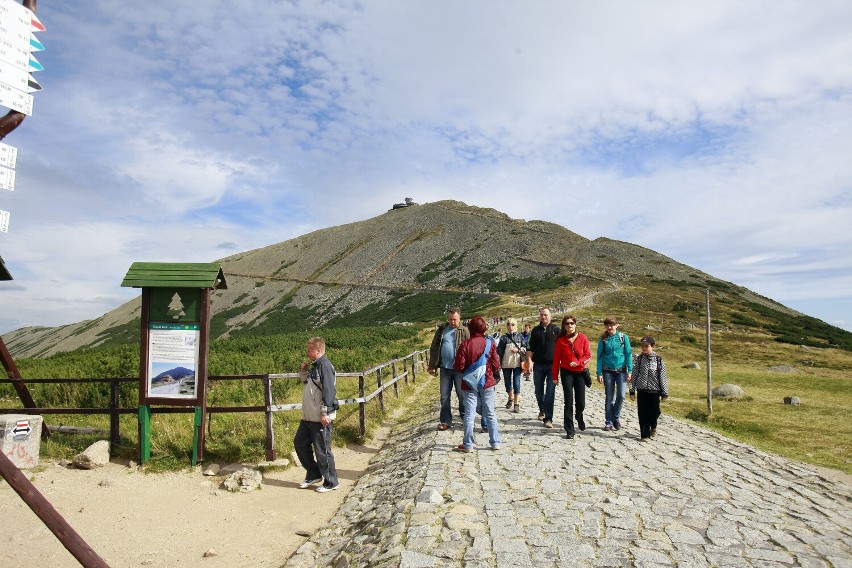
470	360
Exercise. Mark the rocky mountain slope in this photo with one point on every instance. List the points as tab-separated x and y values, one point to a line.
406	265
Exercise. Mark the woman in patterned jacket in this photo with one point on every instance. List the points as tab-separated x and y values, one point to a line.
650	380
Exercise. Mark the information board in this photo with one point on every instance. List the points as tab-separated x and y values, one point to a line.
173	360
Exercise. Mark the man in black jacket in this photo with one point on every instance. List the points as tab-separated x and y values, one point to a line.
540	353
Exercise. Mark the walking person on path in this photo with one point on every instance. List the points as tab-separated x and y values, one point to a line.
540	353
650	381
570	357
312	441
442	354
615	362
511	351
525	336
477	358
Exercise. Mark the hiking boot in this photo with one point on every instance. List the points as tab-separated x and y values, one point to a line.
653	432
443	426
541	415
569	435
548	424
517	408
617	424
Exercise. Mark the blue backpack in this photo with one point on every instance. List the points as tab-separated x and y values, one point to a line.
474	376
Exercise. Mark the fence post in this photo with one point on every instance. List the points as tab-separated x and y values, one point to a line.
414	357
405	368
381	390
113	413
395	382
270	433
362	407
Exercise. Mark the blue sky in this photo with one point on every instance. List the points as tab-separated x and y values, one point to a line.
717	133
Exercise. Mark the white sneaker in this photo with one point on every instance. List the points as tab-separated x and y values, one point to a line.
324	488
308	482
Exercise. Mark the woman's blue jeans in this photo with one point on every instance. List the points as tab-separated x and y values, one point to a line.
471	400
512	378
614	384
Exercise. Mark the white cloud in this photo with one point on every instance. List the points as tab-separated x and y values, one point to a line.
715	133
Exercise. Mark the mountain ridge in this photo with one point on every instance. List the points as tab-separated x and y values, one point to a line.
394	266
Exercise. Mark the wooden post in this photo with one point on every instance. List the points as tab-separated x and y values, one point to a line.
18	383
414	357
197	430
270	432
362	407
144	433
405	368
709	369
381	390
204	341
144	423
395	382
114	403
66	534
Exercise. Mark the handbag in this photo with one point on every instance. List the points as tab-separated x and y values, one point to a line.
587	376
511	360
474	376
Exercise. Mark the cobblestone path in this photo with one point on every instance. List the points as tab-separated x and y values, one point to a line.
690	497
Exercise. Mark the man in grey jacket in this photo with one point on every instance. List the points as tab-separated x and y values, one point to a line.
442	355
319	405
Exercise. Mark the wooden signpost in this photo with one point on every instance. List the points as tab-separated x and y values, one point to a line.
174	337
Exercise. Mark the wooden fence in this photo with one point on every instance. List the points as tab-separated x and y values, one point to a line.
387	375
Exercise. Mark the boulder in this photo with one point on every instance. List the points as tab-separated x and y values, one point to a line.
734	392
794	400
96	455
692	365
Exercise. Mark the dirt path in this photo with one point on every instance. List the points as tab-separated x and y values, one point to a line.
135	519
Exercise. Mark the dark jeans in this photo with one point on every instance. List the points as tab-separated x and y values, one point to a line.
314	438
545	390
574	391
648	407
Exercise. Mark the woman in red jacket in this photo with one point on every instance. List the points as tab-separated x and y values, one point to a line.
469	357
570	357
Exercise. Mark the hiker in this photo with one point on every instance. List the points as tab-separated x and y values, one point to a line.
615	362
477	361
312	441
540	354
442	354
525	336
511	351
649	380
570	357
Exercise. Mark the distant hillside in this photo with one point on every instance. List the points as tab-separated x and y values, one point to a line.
407	265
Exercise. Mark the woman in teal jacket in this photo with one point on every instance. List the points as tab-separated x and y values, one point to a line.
615	362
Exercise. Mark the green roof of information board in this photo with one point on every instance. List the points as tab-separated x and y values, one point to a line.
4	272
175	275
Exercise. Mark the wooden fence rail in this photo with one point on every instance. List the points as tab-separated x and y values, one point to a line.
410	364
